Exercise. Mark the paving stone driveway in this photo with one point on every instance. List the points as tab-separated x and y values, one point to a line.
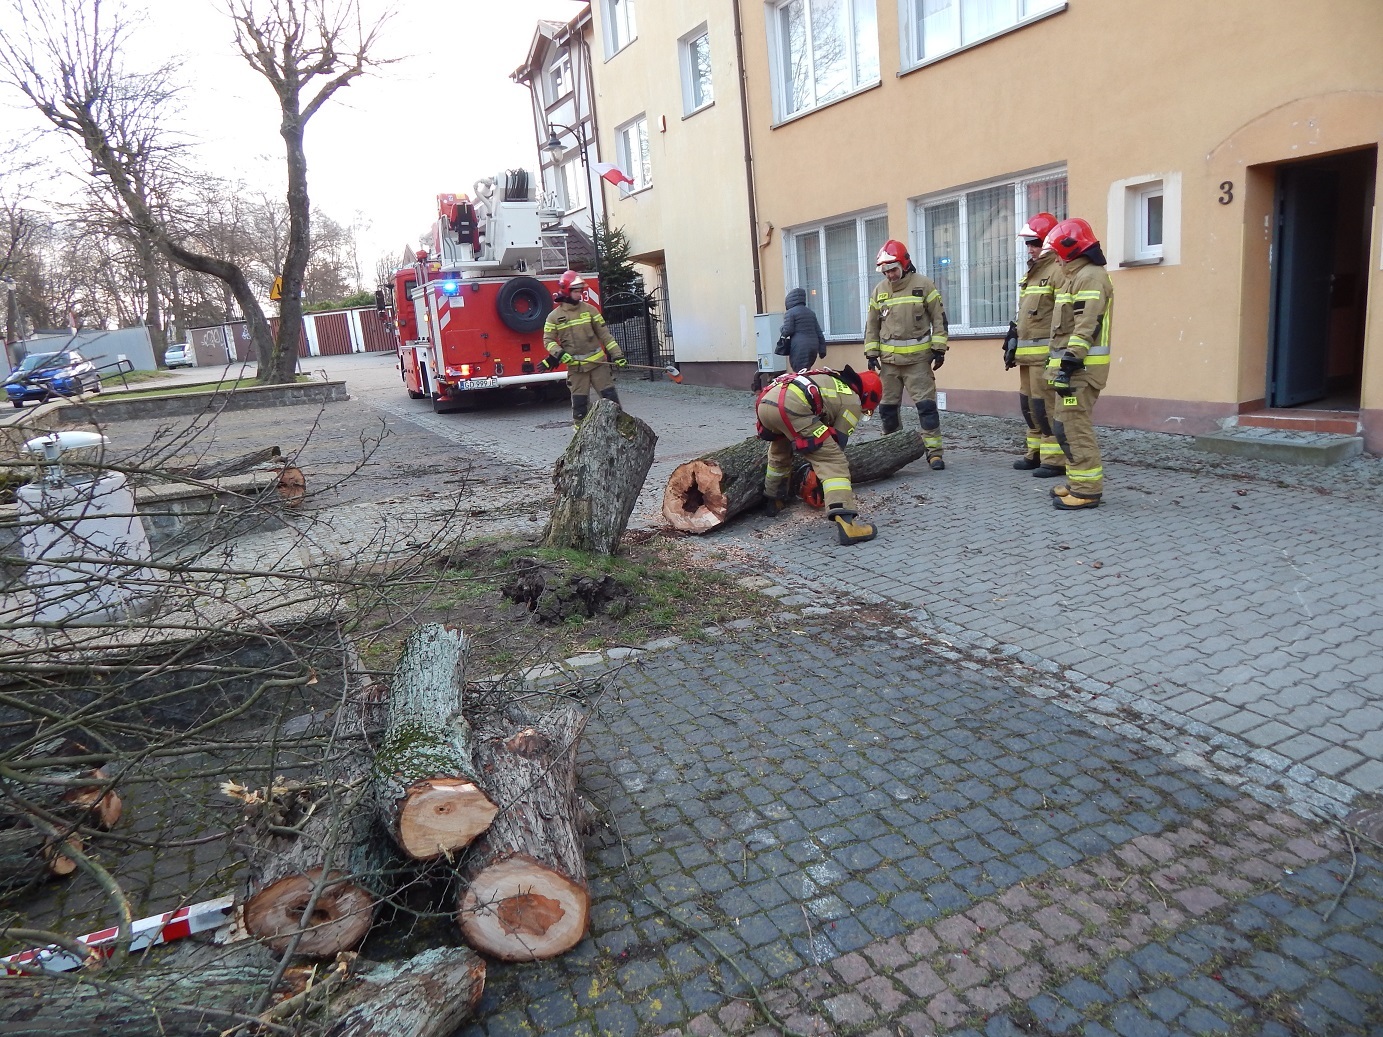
888	842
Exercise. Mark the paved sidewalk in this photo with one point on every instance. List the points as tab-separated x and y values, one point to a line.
880	840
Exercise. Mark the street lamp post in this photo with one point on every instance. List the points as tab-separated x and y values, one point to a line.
11	319
553	146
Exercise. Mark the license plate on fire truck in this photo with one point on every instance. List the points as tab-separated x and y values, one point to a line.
480	383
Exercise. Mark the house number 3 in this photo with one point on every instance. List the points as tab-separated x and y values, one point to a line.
1226	192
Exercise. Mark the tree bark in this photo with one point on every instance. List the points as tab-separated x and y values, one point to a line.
525	896
706	493
304	829
598	480
428	995
28	856
230	465
427	791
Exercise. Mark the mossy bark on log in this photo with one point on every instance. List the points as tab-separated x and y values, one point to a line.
209	990
309	828
525	896
705	493
429	995
598	480
427	792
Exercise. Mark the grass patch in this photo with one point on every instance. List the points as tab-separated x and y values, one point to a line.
522	605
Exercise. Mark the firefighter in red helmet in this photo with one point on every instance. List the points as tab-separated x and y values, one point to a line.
1078	361
813	413
905	340
1029	344
575	334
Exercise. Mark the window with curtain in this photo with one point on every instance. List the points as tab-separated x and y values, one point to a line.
824	49
834	262
938	27
967	243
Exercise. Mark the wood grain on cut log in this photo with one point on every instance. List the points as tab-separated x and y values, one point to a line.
525	896
27	855
300	832
598	480
706	493
427	791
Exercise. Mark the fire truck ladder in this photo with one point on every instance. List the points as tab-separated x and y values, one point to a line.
553	250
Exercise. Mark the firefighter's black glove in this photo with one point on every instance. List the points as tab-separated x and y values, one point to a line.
938	358
1011	347
1070	364
548	362
621	362
873	363
841	438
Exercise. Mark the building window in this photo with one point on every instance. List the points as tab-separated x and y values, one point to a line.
620	30
822	50
1148	205
967	243
559	78
631	151
567	179
935	28
695	49
834	262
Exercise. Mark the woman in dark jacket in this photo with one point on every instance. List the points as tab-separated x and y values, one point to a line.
802	327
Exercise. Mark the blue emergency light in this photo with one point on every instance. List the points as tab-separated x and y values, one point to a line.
451	287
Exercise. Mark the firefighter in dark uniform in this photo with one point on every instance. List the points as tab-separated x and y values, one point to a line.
575	335
905	340
1078	364
1028	346
813	413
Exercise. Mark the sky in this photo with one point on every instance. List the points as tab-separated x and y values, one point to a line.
443	115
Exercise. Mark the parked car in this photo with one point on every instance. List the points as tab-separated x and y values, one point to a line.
42	376
179	355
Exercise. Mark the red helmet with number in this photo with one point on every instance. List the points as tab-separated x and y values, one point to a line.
1069	238
571	287
894	253
1038	227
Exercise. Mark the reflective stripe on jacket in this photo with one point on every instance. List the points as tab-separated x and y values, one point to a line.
1083	318
838	411
905	320
1036	300
579	329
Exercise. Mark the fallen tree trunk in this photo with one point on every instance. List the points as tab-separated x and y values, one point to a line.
427	791
525	895
229	466
79	797
28	856
598	480
302	831
705	493
428	995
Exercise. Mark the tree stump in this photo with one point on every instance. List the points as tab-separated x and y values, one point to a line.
705	493
525	895
598	480
427	790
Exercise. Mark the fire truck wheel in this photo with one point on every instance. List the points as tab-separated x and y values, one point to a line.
523	304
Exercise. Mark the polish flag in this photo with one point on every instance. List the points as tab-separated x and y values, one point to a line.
611	172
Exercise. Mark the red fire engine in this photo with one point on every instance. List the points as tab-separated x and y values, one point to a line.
470	312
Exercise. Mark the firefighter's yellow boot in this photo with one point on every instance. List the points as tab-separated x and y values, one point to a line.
850	530
1070	502
1060	491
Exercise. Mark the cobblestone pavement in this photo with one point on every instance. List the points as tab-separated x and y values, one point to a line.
883	837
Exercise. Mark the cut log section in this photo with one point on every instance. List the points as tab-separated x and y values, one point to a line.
704	494
525	896
427	791
28	856
598	480
429	995
300	830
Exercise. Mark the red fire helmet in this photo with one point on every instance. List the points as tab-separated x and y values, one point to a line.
1069	238
1038	227
871	390
894	253
571	287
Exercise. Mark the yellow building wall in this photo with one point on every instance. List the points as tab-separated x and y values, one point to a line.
1113	90
696	214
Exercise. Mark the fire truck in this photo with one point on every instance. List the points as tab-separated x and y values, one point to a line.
469	312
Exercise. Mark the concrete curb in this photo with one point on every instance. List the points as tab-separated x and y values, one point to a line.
218	400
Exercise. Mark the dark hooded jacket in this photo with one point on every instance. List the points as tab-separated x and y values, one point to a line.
800	324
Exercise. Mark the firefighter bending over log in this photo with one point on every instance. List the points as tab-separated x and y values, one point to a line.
575	335
813	413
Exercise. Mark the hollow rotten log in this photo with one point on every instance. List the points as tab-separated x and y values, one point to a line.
525	895
302	830
705	493
598	480
428	995
427	792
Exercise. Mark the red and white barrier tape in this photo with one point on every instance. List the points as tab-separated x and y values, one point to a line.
148	932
